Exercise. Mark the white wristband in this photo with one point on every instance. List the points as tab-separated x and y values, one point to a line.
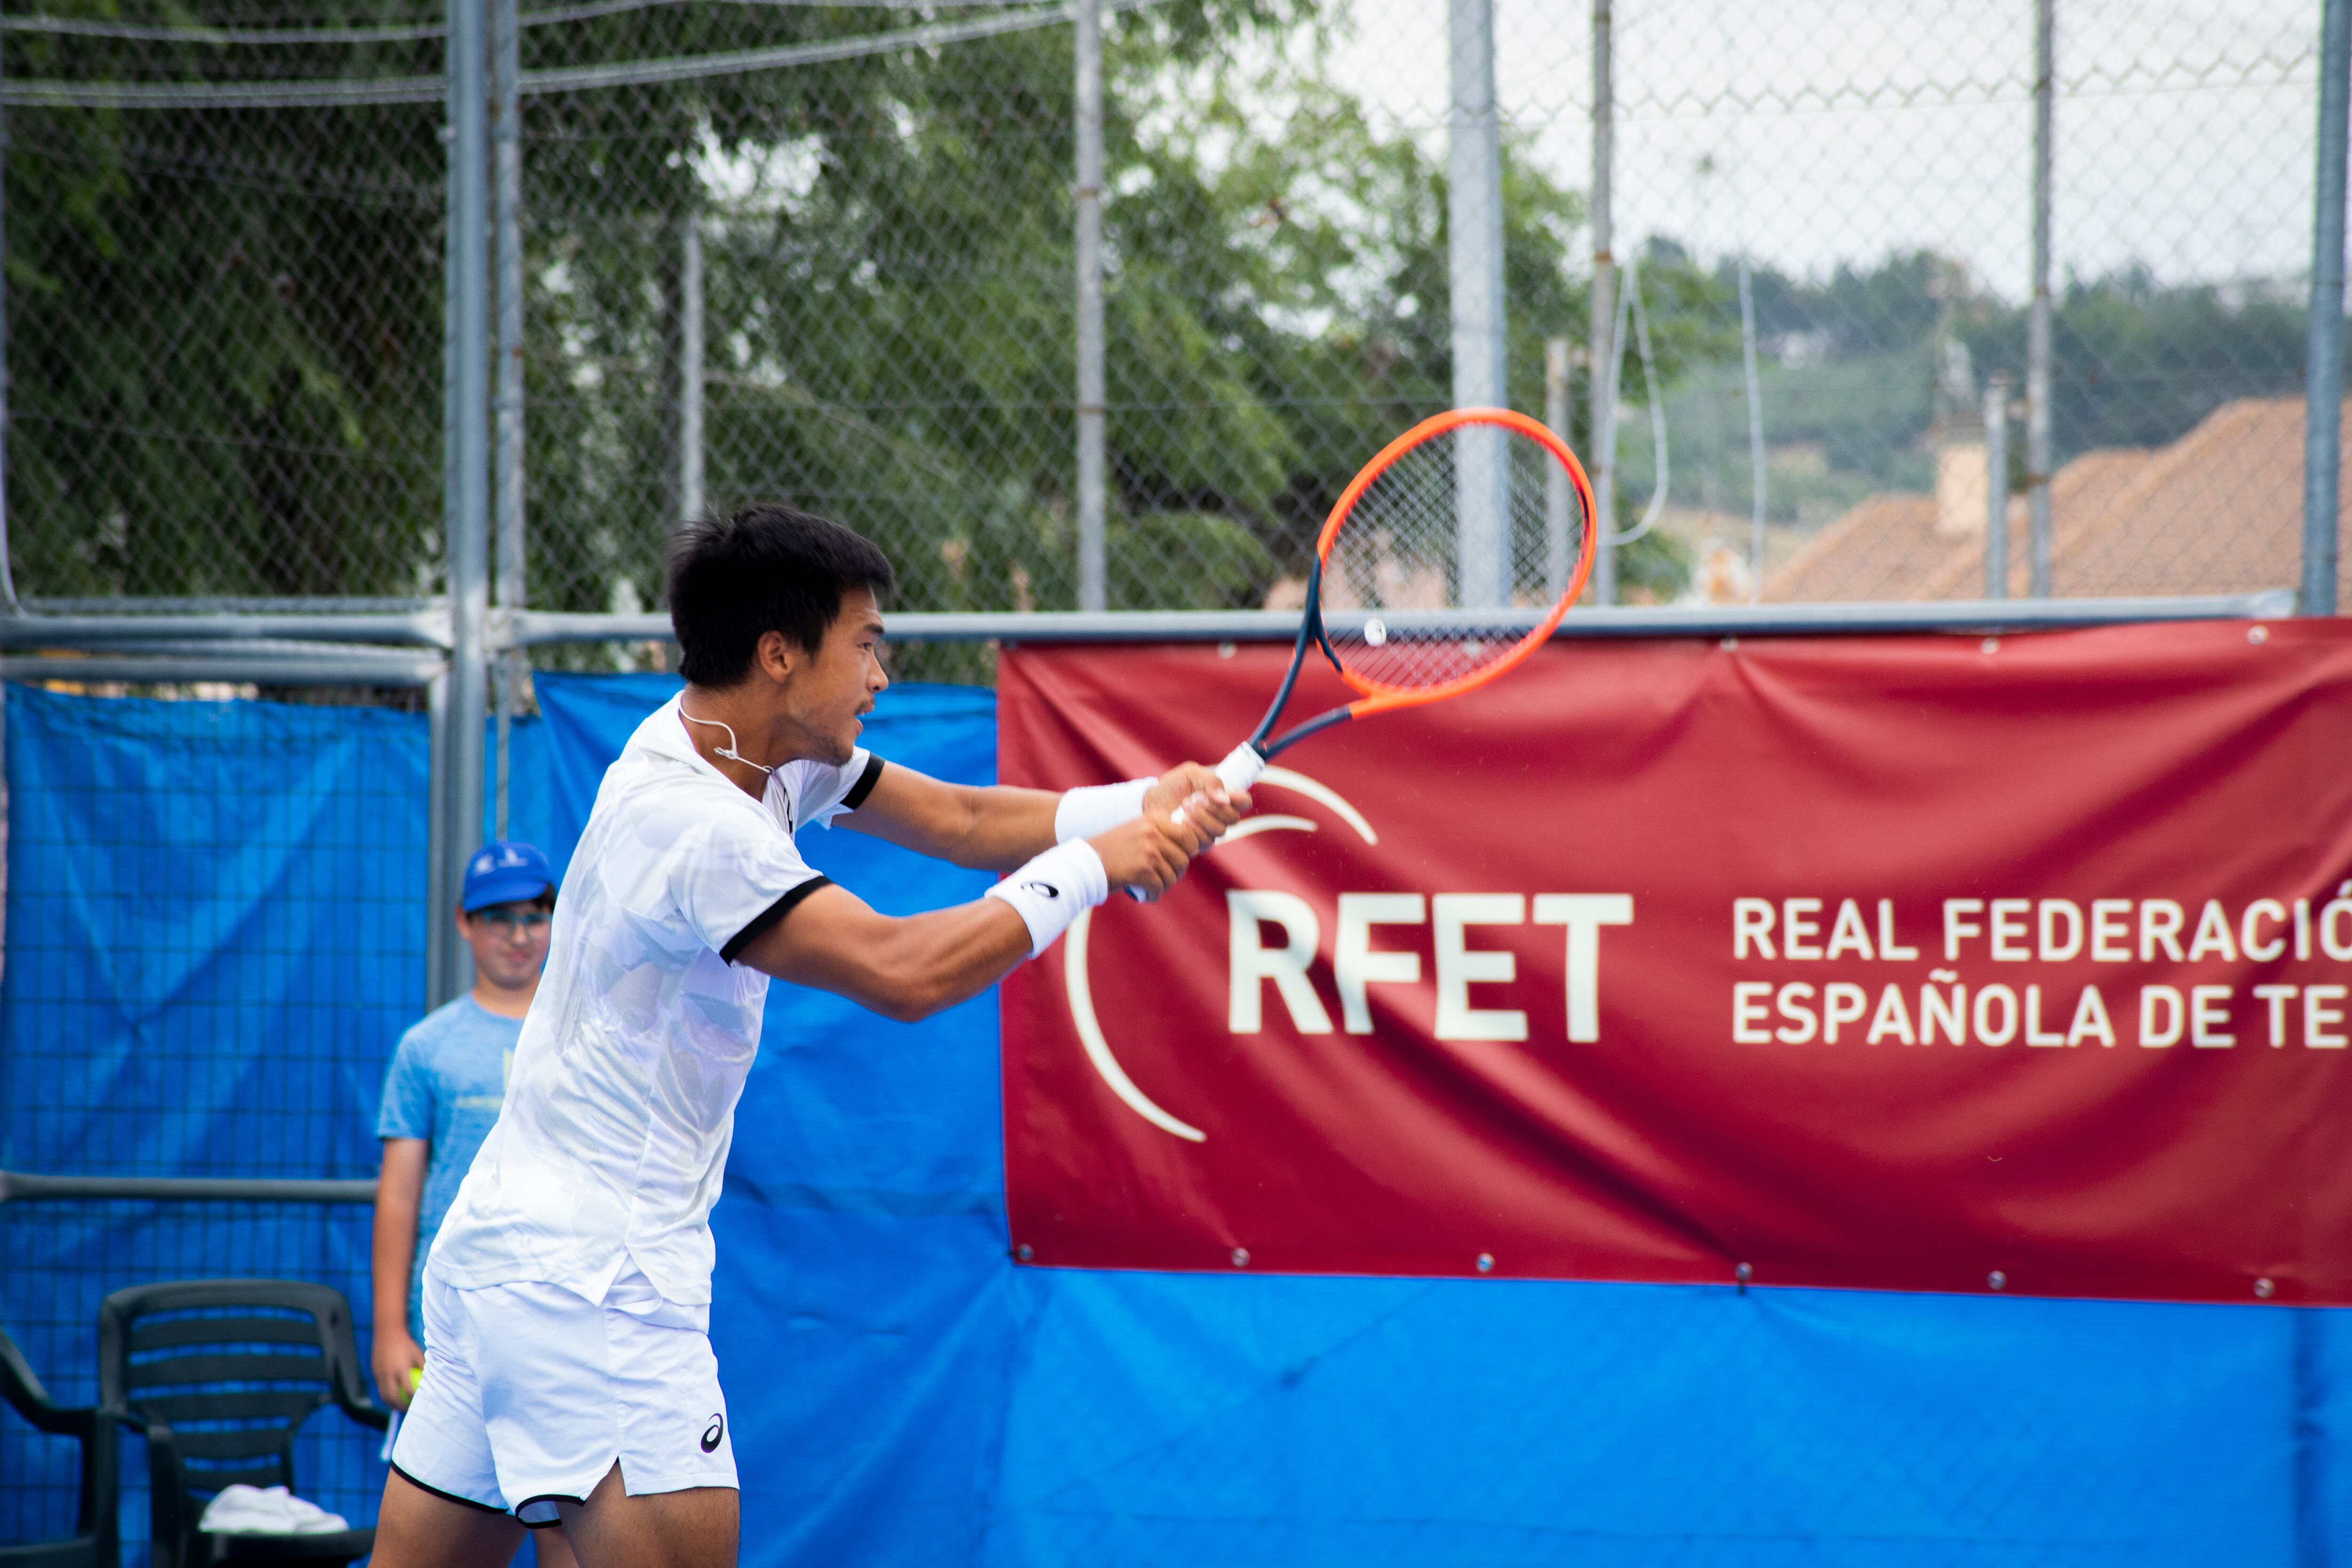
1098	809
1050	890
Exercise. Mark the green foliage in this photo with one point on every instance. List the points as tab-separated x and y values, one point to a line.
1230	567
227	324
1849	368
225	333
2136	363
893	264
1651	569
1857	312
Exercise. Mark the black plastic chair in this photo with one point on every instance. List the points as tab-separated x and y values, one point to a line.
92	1545
219	1373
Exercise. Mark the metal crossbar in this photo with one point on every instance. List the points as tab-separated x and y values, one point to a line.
16	1187
535	628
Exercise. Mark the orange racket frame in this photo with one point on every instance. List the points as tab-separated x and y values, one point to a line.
1377	698
1244	765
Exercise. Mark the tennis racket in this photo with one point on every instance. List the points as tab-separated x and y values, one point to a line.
1448	560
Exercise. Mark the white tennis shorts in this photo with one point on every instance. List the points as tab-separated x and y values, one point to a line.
531	1393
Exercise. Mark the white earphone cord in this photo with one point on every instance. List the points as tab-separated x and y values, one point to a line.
726	751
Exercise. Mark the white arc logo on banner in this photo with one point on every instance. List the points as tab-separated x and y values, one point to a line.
1081	990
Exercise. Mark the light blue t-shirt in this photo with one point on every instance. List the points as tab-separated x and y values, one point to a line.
448	1080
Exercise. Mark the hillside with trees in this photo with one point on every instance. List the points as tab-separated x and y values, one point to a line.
1850	363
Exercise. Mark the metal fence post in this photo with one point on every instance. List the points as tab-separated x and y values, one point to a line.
8	571
2323	376
1996	551
1559	558
1601	394
507	113
690	371
2037	326
1755	386
1088	196
440	894
467	489
1474	272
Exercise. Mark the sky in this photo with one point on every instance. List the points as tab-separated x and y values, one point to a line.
1810	132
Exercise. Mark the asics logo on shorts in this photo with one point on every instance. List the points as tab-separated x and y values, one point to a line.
712	1433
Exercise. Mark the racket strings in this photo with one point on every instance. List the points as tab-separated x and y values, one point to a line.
1475	522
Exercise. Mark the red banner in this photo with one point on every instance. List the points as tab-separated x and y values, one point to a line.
1917	963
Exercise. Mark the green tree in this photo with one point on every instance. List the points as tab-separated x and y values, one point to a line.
225	330
2138	363
228	322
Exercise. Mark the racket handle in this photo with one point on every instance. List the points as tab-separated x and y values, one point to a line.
1242	768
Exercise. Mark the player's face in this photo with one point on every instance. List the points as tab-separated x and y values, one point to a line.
842	682
510	943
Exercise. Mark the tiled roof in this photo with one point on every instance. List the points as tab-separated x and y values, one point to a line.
2219	510
1881	550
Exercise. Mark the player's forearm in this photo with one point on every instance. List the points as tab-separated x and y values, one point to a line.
1008	827
905	968
399	1195
995	827
393	1258
985	829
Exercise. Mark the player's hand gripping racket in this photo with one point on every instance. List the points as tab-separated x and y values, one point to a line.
1448	560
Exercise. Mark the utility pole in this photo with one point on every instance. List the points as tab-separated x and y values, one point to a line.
1996	423
2322	377
1092	572
465	479
1475	258
1560	498
505	70
2037	325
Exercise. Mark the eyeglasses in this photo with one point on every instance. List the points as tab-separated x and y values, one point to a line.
511	924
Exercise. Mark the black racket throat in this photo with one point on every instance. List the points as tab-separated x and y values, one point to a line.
1312	633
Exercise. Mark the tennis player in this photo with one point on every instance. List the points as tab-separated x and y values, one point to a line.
567	1296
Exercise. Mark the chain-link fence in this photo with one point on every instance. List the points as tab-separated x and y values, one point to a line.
213	943
884	256
1874	166
1844	192
224	304
826	254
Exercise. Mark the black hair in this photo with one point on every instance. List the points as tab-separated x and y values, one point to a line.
764	568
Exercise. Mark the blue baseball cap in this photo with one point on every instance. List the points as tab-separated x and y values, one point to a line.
506	872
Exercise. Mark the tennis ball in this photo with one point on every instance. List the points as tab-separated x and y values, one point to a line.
415	1378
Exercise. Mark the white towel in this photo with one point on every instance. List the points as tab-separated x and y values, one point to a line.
267	1510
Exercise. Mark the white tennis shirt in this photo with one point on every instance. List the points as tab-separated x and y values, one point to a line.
612	1142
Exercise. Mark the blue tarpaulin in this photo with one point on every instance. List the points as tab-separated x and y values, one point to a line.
215	932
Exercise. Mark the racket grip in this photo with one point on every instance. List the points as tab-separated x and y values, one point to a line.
1241	767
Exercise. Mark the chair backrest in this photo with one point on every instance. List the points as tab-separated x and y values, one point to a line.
234	1366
